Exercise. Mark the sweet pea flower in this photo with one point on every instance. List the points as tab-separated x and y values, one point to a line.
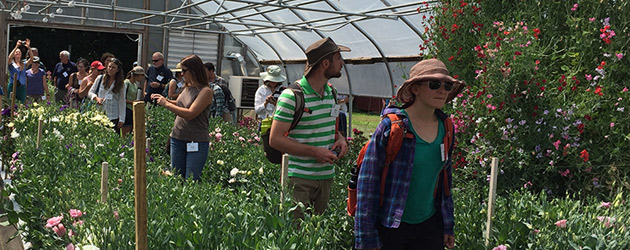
605	204
53	221
561	223
557	144
575	6
588	77
591	19
500	247
619	56
75	213
612	124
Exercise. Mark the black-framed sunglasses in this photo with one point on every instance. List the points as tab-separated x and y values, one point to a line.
184	70
155	60
435	85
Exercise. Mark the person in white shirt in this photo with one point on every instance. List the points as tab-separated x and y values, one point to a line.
108	91
267	94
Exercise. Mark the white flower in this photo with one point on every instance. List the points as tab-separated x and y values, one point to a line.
11	124
122	155
234	172
232	180
217	129
54	119
220	162
14	134
260	170
100	145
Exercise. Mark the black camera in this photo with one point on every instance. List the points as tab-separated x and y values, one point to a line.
354	176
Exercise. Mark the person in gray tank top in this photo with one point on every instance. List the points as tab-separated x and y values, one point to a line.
189	136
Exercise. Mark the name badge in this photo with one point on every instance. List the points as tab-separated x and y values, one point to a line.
334	112
44	97
180	84
109	96
192	147
159	78
442	152
65	74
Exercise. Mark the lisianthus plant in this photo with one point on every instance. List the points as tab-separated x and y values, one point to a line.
546	92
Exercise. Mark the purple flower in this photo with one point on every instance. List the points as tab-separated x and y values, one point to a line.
151	159
6	111
63	107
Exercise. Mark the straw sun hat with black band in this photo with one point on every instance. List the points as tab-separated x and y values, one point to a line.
426	70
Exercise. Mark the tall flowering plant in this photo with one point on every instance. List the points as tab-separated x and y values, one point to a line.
546	90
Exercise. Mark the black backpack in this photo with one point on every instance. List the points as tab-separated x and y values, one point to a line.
272	154
230	103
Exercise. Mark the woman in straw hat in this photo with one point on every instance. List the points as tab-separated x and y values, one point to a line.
416	211
176	85
267	94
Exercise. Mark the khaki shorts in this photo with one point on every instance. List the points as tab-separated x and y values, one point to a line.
312	193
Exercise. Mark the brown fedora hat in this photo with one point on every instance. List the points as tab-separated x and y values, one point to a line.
429	69
320	49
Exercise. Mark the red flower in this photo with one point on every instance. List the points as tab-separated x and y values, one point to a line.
537	62
598	90
584	155
517	53
536	32
451	58
587	117
507	64
580	128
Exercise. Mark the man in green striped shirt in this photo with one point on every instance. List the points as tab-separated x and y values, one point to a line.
309	144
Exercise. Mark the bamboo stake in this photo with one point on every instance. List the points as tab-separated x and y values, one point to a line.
104	178
15	83
285	171
40	123
491	198
140	175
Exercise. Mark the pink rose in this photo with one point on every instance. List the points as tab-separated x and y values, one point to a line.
54	221
561	223
75	213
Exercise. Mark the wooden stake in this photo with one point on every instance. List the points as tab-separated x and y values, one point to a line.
104	178
140	175
284	176
491	198
15	83
40	123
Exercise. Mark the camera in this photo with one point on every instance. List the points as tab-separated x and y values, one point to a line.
336	151
354	176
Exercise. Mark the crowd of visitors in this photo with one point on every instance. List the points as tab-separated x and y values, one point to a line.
403	200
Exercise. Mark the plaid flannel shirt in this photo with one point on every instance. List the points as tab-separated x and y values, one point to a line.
217	107
368	211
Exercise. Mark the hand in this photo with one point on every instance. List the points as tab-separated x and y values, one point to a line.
28	43
99	100
17	45
159	99
271	99
341	144
449	241
324	155
120	124
155	85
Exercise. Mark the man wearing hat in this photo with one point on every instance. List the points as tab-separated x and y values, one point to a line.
416	207
314	144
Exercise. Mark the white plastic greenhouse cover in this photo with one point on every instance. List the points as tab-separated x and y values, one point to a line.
378	29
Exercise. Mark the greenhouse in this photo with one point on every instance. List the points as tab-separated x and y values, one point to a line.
538	158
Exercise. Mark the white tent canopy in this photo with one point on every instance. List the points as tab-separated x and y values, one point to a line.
384	35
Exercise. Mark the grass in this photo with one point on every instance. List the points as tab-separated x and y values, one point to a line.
364	121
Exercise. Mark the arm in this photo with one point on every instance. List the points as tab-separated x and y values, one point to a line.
12	54
91	94
199	104
70	80
85	86
30	53
220	101
45	86
368	190
122	112
260	100
172	86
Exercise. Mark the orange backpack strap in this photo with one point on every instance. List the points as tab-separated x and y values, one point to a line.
397	134
448	140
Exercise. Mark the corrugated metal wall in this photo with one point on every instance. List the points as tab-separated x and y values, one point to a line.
204	45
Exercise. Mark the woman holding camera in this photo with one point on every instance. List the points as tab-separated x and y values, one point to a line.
17	67
267	94
189	136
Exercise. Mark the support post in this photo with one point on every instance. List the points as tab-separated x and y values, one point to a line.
40	123
104	178
491	198
284	176
15	83
140	175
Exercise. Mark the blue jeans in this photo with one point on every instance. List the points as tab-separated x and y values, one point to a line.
188	163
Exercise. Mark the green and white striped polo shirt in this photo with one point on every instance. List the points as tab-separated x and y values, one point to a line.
315	129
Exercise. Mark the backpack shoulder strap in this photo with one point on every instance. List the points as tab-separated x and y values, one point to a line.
299	103
397	134
334	92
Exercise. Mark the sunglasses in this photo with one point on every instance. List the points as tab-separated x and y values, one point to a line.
155	60
435	85
184	70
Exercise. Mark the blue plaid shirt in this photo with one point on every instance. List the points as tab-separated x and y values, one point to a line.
368	211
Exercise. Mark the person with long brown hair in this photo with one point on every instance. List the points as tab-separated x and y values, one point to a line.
17	67
108	91
189	136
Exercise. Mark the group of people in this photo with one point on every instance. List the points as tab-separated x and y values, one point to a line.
414	209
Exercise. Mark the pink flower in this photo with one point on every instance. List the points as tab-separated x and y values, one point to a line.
70	246
612	124
591	19
60	230
619	56
77	223
71	233
624	90
588	77
561	223
528	184
575	6
240	138
565	173
557	144
116	214
605	204
218	137
235	134
608	221
74	213
53	221
500	247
